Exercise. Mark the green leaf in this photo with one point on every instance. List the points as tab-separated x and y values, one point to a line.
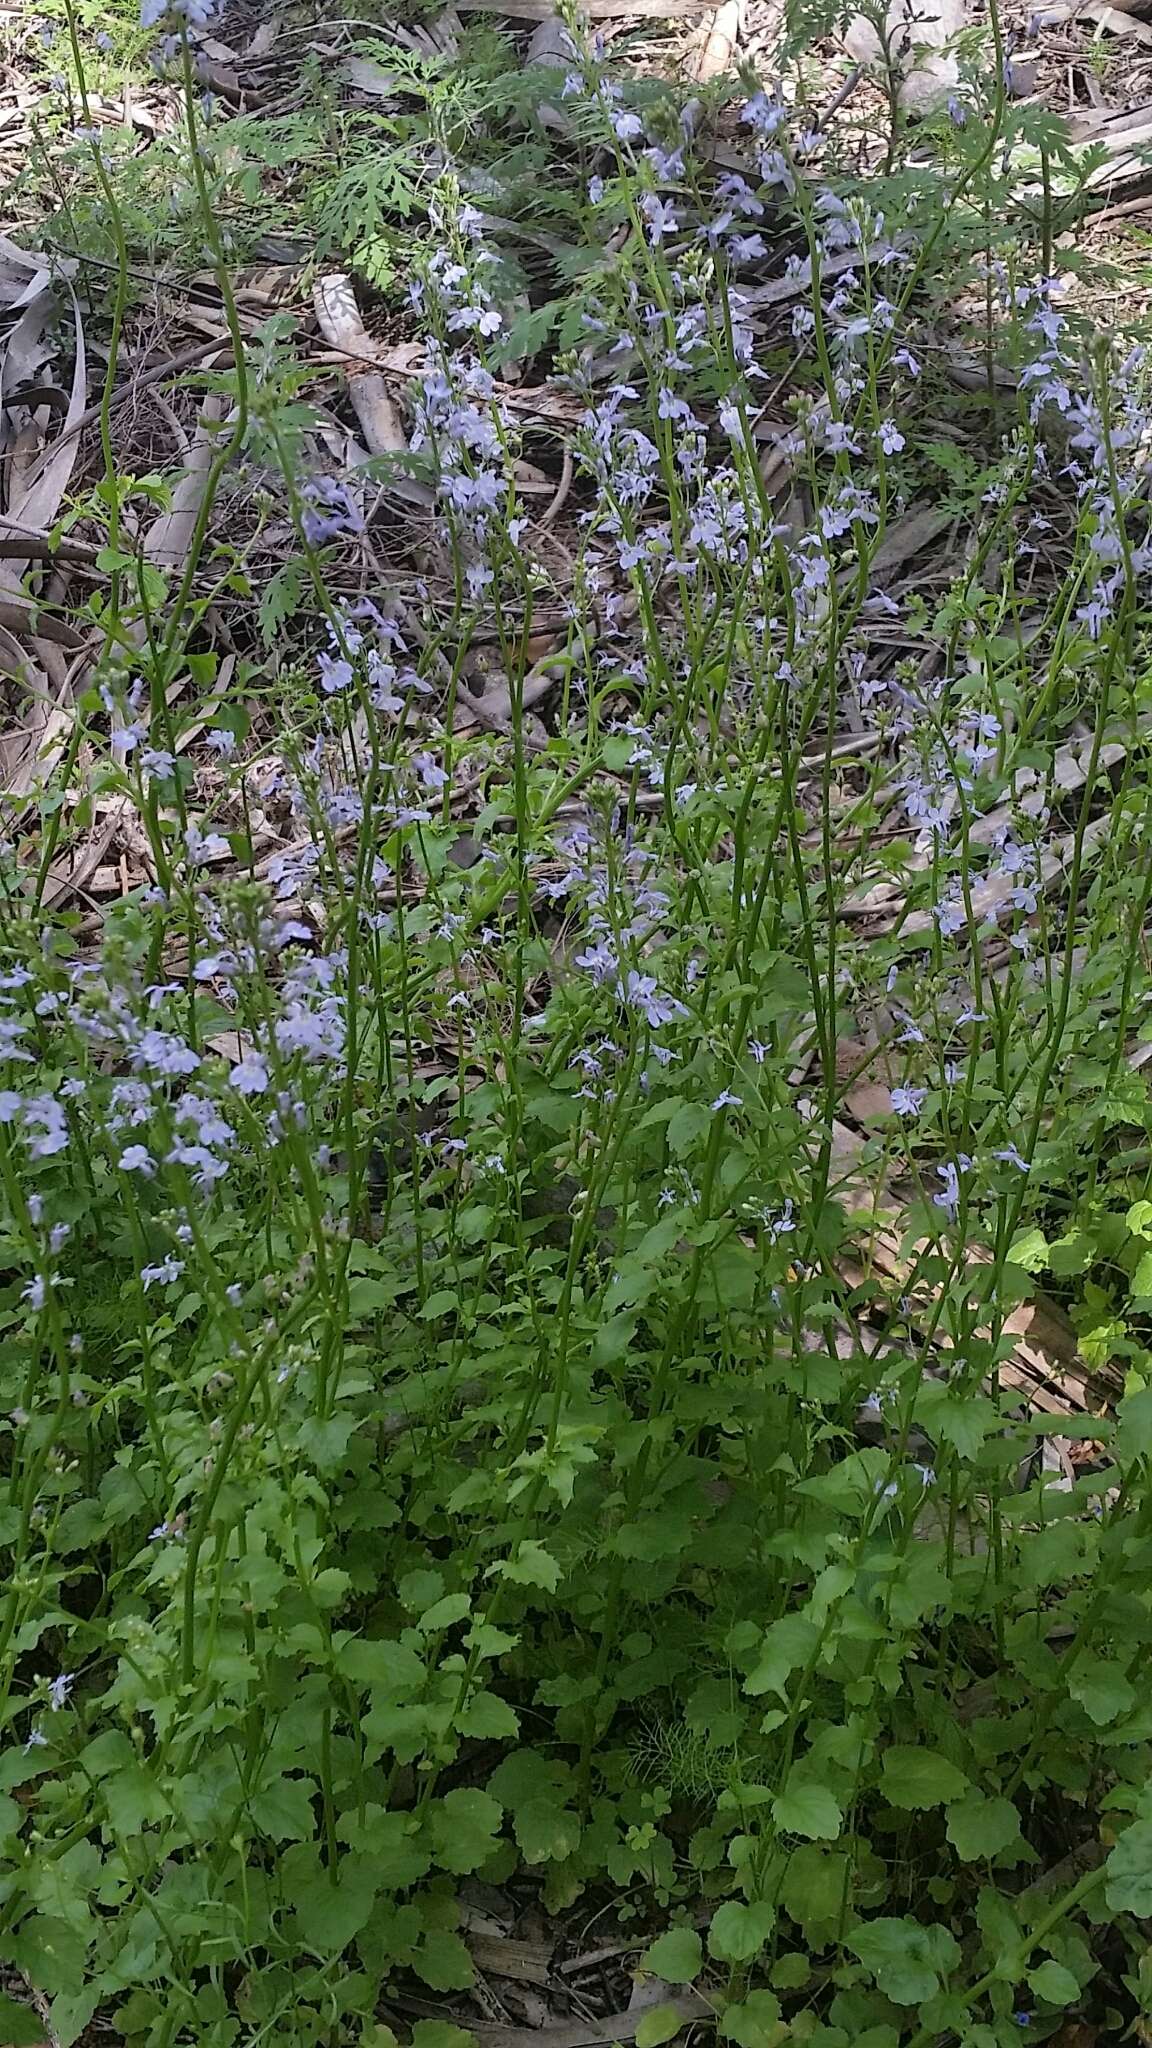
754	2022
463	1828
1029	1250
392	1841
687	1127
1102	1690
418	1590
739	1932
330	1915
280	598
445	1613
368	1298
813	1887
677	1956
967	1422
810	1810
915	1779
524	1774
1053	1982
791	1972
283	1809
489	1641
1082	1428
71	2014
443	1961
786	1645
1135	1415
488	1716
658	2024
547	1831
1128	1888
19	2025
531	1566
134	1799
1071	1254
386	1666
850	1486
980	1828
326	1442
404	1730
1141	1289
49	1951
906	1959
441	2034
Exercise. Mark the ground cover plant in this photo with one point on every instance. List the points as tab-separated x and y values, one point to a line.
577	1214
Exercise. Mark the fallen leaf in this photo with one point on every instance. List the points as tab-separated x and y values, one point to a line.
915	40
363	74
338	318
1114	19
550	46
589	2033
718	42
265	38
40	502
170	536
24	275
597	10
905	538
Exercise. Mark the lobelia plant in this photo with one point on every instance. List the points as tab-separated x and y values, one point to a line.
483	1397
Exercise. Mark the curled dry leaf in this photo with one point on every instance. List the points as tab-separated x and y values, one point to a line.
264	40
905	538
170	536
717	42
491	703
24	275
364	75
589	2033
36	503
338	318
27	352
76	868
1116	20
915	44
596	10
1119	17
36	484
31	749
798	283
550	47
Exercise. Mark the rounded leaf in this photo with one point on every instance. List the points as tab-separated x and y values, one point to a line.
1054	1983
658	2024
981	1828
738	1932
1129	1868
677	1956
915	1779
807	1810
755	2022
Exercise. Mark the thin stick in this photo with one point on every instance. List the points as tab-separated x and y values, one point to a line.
562	489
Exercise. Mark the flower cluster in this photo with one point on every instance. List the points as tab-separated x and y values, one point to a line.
458	418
